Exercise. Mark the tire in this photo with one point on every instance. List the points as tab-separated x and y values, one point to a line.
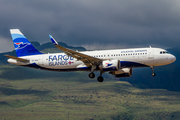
100	79
153	74
91	75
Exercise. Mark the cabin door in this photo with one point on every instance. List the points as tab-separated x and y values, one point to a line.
151	53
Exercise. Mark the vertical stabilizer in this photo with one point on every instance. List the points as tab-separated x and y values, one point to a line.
21	44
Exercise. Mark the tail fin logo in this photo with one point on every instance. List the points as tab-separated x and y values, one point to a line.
21	45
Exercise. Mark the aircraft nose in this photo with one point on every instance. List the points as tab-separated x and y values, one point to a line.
173	58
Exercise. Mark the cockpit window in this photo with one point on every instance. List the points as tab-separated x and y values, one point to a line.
164	52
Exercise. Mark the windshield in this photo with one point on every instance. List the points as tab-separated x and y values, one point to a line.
164	52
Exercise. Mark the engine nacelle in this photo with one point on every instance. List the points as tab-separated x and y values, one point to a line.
110	65
125	72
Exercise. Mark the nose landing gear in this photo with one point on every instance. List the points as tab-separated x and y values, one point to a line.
152	69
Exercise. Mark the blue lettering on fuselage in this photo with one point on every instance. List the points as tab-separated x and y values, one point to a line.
60	57
57	63
56	60
131	51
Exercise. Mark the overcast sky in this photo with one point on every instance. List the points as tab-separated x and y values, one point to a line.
94	24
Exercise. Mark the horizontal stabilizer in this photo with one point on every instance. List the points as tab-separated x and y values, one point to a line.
16	58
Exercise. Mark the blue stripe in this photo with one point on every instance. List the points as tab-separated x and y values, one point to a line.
124	64
15	36
25	47
34	65
128	64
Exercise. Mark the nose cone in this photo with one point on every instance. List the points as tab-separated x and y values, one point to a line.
173	58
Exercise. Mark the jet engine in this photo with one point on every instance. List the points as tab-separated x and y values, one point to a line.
125	72
110	65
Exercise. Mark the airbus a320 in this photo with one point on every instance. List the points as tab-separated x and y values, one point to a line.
118	62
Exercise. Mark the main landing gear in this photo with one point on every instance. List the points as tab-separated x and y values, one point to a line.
91	75
99	79
152	69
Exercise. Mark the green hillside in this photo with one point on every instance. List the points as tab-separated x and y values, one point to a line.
27	93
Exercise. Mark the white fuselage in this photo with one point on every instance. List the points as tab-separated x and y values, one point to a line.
129	58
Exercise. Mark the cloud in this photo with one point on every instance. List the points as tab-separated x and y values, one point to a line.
94	22
6	42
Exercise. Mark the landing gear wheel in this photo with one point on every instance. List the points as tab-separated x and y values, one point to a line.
153	74
91	75
100	79
152	69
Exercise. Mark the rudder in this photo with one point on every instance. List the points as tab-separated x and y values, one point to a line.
21	44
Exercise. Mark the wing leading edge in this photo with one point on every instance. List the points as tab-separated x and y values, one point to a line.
86	59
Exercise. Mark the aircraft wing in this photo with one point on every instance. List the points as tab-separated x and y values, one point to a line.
86	59
16	58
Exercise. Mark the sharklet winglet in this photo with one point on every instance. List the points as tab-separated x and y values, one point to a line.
53	40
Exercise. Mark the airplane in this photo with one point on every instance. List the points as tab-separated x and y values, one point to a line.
118	62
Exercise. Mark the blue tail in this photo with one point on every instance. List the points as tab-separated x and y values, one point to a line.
21	44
